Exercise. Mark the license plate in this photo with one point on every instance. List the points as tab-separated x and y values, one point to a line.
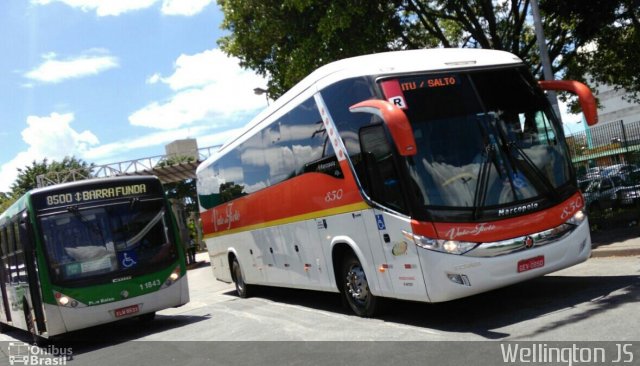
127	311
531	263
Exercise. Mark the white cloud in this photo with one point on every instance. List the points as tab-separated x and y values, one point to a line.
50	137
184	7
53	70
209	86
122	149
118	7
102	7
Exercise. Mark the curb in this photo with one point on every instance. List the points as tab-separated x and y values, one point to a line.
615	252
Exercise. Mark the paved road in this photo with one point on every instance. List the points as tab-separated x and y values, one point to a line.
595	301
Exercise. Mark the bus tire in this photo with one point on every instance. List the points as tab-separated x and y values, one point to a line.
242	288
355	288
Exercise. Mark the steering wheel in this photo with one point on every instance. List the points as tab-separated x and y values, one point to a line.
456	177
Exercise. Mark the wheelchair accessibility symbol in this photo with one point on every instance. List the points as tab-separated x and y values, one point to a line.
128	259
380	222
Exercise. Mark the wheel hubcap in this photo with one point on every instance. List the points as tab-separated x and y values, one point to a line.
357	285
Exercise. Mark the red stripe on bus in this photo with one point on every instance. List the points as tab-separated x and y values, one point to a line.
502	229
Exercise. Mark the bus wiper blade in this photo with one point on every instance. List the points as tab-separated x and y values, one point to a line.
483	177
76	212
512	145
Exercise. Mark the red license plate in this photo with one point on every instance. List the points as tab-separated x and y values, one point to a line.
531	263
127	311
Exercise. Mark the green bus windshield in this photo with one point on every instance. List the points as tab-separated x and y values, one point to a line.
96	244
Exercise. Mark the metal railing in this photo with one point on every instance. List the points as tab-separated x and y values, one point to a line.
595	149
142	166
605	145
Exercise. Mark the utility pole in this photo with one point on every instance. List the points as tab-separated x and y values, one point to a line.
544	55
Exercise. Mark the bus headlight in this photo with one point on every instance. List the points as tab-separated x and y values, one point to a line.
173	277
577	218
66	301
440	245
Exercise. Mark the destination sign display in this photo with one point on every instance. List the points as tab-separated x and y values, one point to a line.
86	193
95	194
429	82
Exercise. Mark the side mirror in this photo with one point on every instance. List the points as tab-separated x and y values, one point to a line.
395	119
585	97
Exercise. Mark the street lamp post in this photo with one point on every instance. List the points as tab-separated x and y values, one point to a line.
260	91
544	54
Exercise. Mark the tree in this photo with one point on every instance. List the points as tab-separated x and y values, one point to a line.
610	29
286	40
5	201
184	191
27	177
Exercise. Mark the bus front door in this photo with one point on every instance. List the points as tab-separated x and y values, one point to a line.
397	257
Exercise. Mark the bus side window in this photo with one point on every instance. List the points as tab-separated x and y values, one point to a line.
21	269
4	256
12	272
382	176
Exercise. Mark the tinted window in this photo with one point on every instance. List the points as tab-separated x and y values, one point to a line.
338	98
294	144
484	138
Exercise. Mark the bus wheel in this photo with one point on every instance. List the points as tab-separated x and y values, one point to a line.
242	288
356	288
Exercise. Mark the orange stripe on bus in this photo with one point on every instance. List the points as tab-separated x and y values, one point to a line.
304	197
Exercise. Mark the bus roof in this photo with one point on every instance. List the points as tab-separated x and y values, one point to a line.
394	62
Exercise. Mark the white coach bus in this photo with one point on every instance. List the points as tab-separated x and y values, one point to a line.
425	175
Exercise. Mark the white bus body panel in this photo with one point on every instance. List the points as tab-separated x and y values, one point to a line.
486	274
61	319
409	273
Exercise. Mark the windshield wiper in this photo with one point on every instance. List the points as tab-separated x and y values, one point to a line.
93	227
511	146
483	177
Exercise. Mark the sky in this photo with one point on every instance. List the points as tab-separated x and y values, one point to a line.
108	81
115	80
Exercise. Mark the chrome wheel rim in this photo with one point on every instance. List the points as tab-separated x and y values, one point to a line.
356	285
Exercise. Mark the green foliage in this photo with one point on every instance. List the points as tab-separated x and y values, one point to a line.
176	160
27	177
610	29
184	191
5	201
286	40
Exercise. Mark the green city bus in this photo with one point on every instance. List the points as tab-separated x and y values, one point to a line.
80	254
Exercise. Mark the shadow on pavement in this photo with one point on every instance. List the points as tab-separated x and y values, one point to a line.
111	334
482	314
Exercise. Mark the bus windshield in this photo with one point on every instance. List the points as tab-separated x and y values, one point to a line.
484	139
95	244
